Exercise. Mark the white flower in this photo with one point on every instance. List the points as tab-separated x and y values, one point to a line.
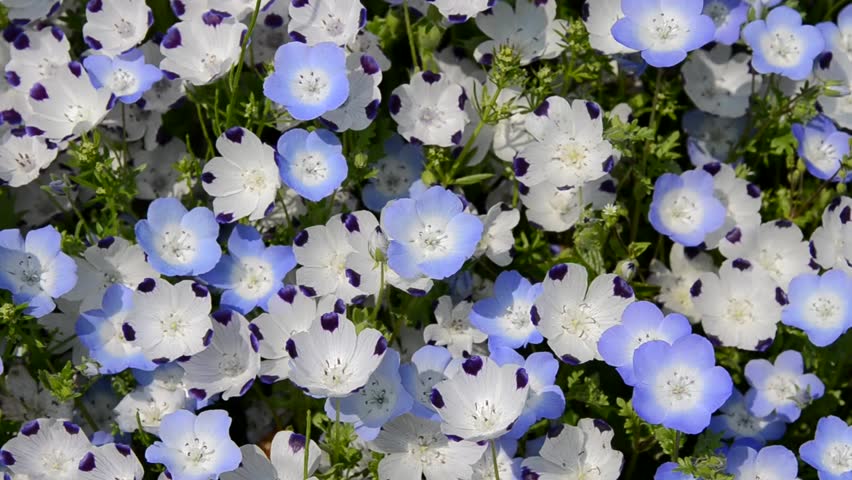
497	239
458	11
317	21
287	460
715	135
574	453
23	156
599	16
148	404
572	315
134	124
288	208
193	9
507	467
839	105
23	398
510	134
160	177
530	29
829	245
37	55
368	43
270	32
718	82
453	329
23	11
430	110
685	266
741	198
556	209
200	51
46	449
115	26
362	106
163	95
110	462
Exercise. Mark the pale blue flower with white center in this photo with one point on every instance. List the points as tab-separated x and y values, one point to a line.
177	241
728	16
545	399
308	80
426	369
126	76
401	166
782	45
101	331
823	148
735	421
775	462
679	385
641	322
431	235
252	272
782	387
685	208
34	269
820	305
312	163
195	447
664	30
830	452
506	317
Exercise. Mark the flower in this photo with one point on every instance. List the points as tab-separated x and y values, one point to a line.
458	11
684	207
126	76
334	21
741	198
664	31
26	11
331	360
836	102
728	16
687	264
583	451
482	400
426	369
820	306
202	50
110	461
782	45
430	110
829	247
46	449
556	210
823	148
667	471
115	26
719	82
736	421
312	163
23	156
178	242
147	406
430	234
498	241
34	269
453	328
362	106
829	451
679	385
572	315
777	247
286	462
195	447
187	9
641	322
836	35
401	166
308	81
781	388
505	317
599	16
36	55
774	462
530	28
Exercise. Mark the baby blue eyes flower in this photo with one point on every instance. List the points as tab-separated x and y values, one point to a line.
308	80
829	451
312	163
775	462
664	30
679	385
506	316
397	170
782	388
836	35
728	16
820	305
667	472
178	242
685	208
34	269
126	76
430	235
822	146
781	44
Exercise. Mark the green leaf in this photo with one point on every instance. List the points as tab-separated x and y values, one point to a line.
471	179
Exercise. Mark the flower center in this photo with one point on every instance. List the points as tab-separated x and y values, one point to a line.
177	245
740	310
197	451
518	317
334	372
376	396
311	169
431	116
823	154
782	48
57	462
74	113
838	458
123	82
255	277
312	86
432	239
579	321
826	310
666	29
172	325
254	180
427	381
28	271
485	414
682	212
124	28
679	388
333	25
231	365
782	388
25	161
718	12
211	63
573	155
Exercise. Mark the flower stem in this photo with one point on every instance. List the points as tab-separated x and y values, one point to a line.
676	446
307	446
410	34
234	82
378	306
494	460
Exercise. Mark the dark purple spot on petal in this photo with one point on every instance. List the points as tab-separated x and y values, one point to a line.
160	361
198	393
753	190
350	222
462	100
307	291
199	290
416	292
369	65
436	399
521	378
833	204
208	177
783	223
534	316
487	59
38	92
299	3
602	425
297	442
94	6
584	11
22	42
273	20
30	428
208	337
255	330
353	277
178	7
71	428
381	346
128	332
371	111
222	316
298	37
87	464
431	77
214	18
570	359
171	39
287	293
712	168
13	79
123	449
106	242
146	285
456	138
741	264
735	235
781	297
247	386
695	289
763	345
825	60
594	110
330	321
290	346
607	186
457	18
608	164
621	288
268	379
558	272
93	43
225	218
845	215
472	365
301	238
542	109
7	458
235	134
520	166
340	306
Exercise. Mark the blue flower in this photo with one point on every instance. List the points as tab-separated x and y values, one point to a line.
782	388
419	376
308	80
685	208
775	462
430	235
34	269
679	385
506	316
664	30
735	421
822	146
820	305
641	322
312	163
126	76
252	272
401	166
728	16
781	44
667	472
829	451
178	242
836	35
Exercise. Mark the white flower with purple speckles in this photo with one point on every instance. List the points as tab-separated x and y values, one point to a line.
23	156
115	26
362	106
572	315
36	55
498	242
599	16
368	43
317	21
453	328
202	50
530	28
25	11
715	135
194	9
160	178
46	449
741	199
426	369
718	82
783	387
556	209
675	281
430	110
829	245
113	461
287	460
25	398
584	451
270	32
838	104
458	11
146	407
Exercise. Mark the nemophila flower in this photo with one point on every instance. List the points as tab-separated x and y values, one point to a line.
195	447
829	247
169	321
734	420
25	11
529	28
114	27
662	30
230	362
331	360
308	81
572	315
126	76
679	385
741	198
776	462
426	369
641	322
194	9
368	43
362	106
482	400
146	407
715	135
34	269
837	104
25	398
728	16
46	449
458	11
569	149
837	35
110	461
202	50
430	235
505	317
719	82
319	21
556	210
67	104
777	247
781	388
430	110
782	45
675	281
668	471
415	447
498	241
820	306
829	451
507	467
312	163
177	241
584	451
397	170
684	207
599	16
510	134
23	156
36	55
160	178
823	147
453	329
382	399
286	462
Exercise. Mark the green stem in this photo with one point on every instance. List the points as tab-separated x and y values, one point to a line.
307	446
235	81
410	33
378	306
494	460
676	446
